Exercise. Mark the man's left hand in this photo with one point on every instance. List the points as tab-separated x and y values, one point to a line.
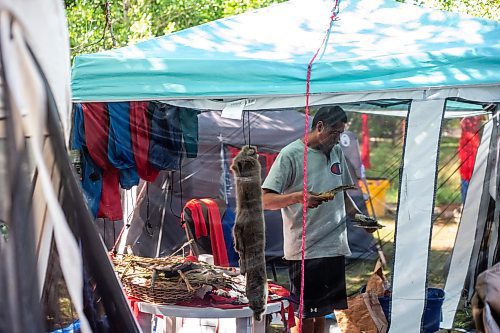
366	222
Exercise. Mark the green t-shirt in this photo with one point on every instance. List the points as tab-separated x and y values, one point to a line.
326	230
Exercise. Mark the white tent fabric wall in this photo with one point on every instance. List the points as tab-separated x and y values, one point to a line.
482	234
414	219
474	207
494	190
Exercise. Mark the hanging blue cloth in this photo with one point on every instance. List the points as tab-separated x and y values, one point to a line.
120	152
91	173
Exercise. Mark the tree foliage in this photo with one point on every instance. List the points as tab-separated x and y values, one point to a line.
489	9
96	25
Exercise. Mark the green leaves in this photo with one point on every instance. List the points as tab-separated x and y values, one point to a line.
134	20
489	9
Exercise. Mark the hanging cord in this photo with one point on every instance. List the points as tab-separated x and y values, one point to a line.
171	188
247	125
148	226
333	18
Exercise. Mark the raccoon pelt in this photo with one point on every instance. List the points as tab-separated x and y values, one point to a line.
248	231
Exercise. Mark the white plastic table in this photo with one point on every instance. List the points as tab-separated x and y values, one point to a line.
244	322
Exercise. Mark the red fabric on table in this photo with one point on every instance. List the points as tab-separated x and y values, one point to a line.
216	233
96	122
276	289
139	133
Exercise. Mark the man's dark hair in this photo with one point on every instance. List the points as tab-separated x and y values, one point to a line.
329	115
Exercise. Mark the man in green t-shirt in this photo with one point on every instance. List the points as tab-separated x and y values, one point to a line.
326	233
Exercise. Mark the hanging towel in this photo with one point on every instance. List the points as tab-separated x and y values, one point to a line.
199	224
91	173
139	132
165	146
189	126
216	233
120	152
96	121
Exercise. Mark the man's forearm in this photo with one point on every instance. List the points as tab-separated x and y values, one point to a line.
274	201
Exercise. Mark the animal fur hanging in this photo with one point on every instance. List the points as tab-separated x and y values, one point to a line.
248	231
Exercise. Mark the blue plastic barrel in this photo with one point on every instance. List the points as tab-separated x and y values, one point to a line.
74	327
432	311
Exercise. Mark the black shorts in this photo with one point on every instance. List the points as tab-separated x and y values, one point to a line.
324	286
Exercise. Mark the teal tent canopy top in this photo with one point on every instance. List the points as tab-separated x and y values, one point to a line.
375	45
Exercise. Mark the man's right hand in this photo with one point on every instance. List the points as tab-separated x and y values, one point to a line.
314	200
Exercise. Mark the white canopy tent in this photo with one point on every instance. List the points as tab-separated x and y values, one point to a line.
376	51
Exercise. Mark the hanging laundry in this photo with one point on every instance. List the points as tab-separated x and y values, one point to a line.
120	152
199	224
172	129
216	233
189	126
96	121
139	132
165	146
91	173
215	229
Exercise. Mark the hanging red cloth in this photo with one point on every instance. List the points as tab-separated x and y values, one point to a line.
200	227
216	233
468	145
217	241
96	122
365	141
139	133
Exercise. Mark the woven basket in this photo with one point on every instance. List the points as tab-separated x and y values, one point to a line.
145	278
161	293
